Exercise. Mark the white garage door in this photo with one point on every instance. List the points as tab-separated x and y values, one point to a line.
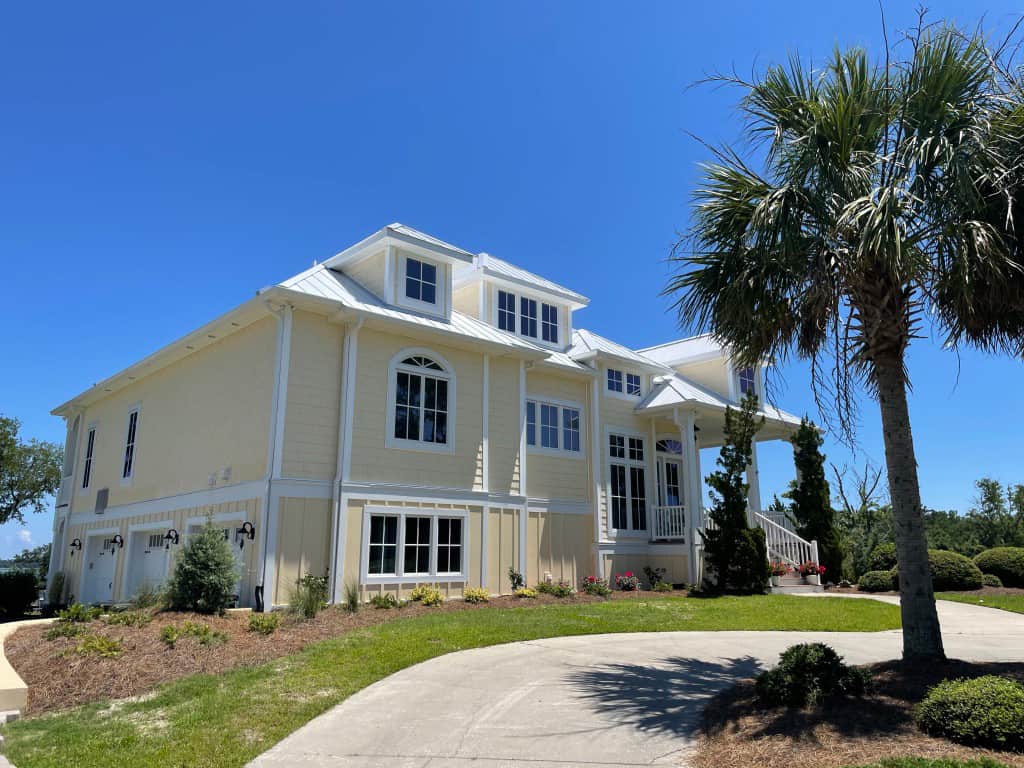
98	579
147	562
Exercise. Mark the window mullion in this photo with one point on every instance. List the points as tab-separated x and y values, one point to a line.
433	545
400	548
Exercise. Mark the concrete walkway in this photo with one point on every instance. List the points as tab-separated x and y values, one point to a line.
601	700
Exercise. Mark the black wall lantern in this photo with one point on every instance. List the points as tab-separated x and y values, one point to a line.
116	543
171	537
76	546
247	531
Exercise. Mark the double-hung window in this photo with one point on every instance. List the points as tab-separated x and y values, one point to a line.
128	468
528	317
90	447
624	383
420	281
410	545
549	323
747	381
627	483
633	385
553	426
507	311
614	380
421	402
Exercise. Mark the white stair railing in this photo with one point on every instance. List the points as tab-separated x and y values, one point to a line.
785	545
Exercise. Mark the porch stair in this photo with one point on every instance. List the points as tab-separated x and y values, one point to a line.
785	546
794	585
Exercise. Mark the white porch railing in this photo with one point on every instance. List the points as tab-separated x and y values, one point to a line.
669	523
785	545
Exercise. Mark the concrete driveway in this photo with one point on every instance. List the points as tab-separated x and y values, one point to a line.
601	700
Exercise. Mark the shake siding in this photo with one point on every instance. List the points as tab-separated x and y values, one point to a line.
372	460
206	412
314	382
369	273
556	477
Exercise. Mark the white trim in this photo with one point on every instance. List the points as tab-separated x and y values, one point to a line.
623	395
389	273
83	490
485	429
251	490
596	463
524	515
518	294
560	406
523	489
560	506
641	547
129	479
442	287
448	374
399	577
627	533
422	493
280	413
346	412
484	544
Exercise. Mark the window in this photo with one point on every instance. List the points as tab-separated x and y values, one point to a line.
558	426
90	446
614	380
747	381
155	541
507	311
528	317
412	545
549	323
669	446
421	401
129	445
383	545
627	491
421	281
633	384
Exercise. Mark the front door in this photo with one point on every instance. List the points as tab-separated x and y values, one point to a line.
670	489
98	579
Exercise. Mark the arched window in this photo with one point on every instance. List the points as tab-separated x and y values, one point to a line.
421	401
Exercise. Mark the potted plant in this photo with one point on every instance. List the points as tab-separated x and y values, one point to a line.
779	569
812	572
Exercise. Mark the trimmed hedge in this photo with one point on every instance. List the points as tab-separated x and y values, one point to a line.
810	673
985	712
18	590
991	580
951	572
882	557
877	581
1005	562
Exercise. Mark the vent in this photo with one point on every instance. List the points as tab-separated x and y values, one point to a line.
102	496
156	540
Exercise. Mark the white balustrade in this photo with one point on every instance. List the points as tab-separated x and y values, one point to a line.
669	523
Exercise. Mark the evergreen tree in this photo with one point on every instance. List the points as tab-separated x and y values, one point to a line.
205	575
735	553
810	499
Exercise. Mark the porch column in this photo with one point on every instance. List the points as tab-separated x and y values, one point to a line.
754	492
692	477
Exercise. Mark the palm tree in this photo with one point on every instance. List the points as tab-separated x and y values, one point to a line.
886	203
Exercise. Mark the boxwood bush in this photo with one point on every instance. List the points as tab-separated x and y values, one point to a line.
810	673
991	580
950	572
985	712
1005	562
876	581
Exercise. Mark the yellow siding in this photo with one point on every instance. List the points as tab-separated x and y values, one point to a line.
303	542
559	546
503	548
314	384
369	273
237	512
203	414
467	300
557	477
713	374
503	439
677	567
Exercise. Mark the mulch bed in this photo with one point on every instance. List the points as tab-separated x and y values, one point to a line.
737	733
59	678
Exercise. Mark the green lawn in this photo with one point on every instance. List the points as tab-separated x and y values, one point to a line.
227	719
1013	603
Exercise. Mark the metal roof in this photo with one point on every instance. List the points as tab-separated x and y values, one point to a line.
679	351
678	390
496	267
587	343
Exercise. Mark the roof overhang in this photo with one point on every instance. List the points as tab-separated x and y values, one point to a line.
389	235
598	356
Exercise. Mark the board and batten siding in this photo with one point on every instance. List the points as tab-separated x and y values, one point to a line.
303	543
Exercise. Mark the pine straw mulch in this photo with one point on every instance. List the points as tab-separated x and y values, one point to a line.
737	733
60	678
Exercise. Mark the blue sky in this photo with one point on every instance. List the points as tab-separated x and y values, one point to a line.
159	167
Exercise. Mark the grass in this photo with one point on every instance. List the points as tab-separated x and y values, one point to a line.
1012	602
227	719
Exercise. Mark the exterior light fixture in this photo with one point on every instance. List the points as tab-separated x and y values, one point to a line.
116	543
76	546
171	537
247	531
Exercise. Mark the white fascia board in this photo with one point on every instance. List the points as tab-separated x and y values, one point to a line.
584	372
626	362
572	300
387	236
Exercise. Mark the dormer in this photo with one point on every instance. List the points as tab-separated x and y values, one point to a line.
405	268
516	301
702	360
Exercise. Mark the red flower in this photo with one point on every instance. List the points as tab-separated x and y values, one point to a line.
629	574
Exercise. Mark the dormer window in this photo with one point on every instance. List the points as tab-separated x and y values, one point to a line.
507	311
549	323
420	281
528	317
624	384
747	381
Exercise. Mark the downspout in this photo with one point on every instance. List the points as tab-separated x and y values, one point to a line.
283	315
595	468
346	400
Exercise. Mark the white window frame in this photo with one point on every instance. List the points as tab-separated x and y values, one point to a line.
560	406
448	374
561	311
526	318
129	478
442	289
624	394
400	577
644	464
740	394
499	312
546	324
88	458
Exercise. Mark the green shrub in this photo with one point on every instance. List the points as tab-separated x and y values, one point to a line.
76	613
525	592
264	623
654	576
61	629
419	592
515	578
476	595
810	673
876	581
662	586
991	580
556	588
882	557
351	603
1005	562
985	712
309	596
98	645
429	596
129	619
18	590
205	574
170	634
149	596
953	571
384	600
55	595
595	586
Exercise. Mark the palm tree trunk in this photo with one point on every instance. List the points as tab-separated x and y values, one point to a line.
922	637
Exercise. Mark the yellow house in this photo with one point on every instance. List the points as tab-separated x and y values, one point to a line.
405	412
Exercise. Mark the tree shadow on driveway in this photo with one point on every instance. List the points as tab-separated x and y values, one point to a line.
668	698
